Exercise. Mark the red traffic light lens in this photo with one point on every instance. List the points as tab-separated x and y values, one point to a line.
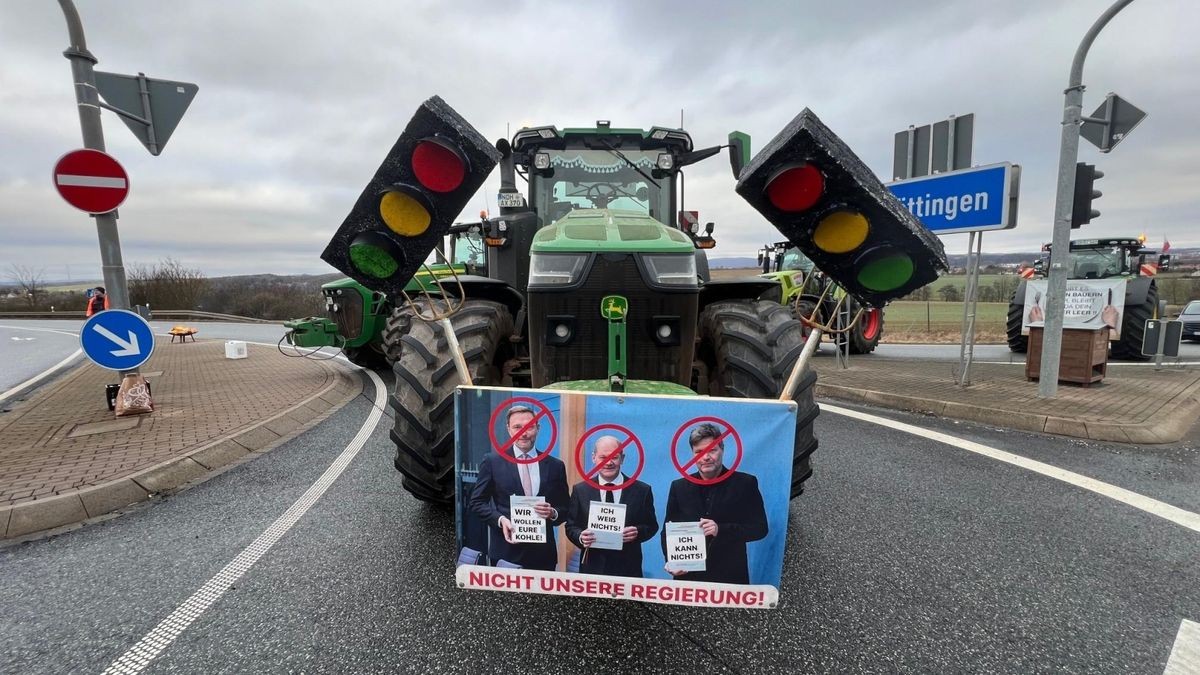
796	188
439	165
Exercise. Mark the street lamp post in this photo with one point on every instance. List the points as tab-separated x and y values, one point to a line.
1061	242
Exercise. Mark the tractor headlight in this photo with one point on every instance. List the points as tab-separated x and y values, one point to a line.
671	270
556	269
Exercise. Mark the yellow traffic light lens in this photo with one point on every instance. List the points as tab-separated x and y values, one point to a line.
403	214
375	255
841	232
884	269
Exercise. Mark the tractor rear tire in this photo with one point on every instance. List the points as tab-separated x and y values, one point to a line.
750	347
423	430
366	357
866	333
1133	328
396	326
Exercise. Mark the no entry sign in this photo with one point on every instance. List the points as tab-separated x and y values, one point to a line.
91	181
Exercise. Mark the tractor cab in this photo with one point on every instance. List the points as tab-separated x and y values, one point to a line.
1109	258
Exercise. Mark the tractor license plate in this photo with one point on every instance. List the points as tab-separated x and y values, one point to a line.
510	200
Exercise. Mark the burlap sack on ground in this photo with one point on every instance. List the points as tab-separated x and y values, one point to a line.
134	396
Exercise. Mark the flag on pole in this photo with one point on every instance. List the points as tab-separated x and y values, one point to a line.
1166	245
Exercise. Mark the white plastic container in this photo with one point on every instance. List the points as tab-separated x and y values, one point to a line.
236	349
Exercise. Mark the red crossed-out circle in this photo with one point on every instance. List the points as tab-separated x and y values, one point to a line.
683	468
91	181
587	475
502	448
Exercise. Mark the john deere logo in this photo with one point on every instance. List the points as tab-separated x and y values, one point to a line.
614	307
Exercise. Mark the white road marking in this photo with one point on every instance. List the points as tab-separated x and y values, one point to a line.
42	375
91	181
1152	506
150	646
1185	656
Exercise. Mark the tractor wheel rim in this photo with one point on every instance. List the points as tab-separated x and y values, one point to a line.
872	319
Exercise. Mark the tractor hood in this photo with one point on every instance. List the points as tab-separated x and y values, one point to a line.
610	230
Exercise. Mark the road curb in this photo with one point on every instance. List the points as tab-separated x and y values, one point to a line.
28	518
1168	424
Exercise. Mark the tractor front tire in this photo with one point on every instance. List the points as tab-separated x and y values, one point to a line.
426	377
865	335
396	327
1133	327
749	347
1017	343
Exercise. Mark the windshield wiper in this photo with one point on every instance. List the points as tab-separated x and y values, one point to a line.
636	168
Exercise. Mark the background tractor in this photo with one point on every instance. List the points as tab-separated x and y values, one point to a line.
366	324
803	286
1123	258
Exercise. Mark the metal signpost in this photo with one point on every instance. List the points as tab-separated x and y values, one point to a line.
1063	204
955	199
160	113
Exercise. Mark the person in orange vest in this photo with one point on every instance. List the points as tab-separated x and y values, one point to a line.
98	302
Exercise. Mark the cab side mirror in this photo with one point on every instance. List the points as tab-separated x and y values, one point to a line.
739	152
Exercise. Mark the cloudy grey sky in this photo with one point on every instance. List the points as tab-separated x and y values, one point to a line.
299	101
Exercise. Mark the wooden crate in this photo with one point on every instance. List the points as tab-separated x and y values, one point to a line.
1084	357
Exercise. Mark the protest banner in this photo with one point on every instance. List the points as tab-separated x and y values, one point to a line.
1088	304
645	474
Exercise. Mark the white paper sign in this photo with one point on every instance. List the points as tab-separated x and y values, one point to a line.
686	549
528	526
606	520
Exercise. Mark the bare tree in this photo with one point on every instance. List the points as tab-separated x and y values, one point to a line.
167	285
29	281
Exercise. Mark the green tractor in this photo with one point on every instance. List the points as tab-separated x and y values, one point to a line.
1115	258
805	289
598	218
365	324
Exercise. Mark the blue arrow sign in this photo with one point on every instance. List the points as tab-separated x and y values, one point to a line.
967	200
117	339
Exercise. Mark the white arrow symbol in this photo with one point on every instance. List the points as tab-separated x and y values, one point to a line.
127	348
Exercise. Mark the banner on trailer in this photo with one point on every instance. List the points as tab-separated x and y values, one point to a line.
666	499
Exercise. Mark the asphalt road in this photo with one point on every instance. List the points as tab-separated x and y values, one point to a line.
27	347
903	555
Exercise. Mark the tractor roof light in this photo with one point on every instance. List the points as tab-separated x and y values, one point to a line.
541	161
666	161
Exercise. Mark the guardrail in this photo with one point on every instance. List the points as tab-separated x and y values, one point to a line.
155	315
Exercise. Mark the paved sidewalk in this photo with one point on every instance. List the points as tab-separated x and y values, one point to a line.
1133	404
65	457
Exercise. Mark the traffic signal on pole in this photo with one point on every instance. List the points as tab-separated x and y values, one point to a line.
1085	191
821	196
435	166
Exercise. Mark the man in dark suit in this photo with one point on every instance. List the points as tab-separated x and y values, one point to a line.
640	523
730	512
500	478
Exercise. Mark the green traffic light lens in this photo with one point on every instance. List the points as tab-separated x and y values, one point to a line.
375	255
885	269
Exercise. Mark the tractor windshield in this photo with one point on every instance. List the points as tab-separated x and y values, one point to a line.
599	179
793	259
468	249
1098	263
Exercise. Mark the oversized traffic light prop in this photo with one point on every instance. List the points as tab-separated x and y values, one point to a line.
435	166
1085	191
821	196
